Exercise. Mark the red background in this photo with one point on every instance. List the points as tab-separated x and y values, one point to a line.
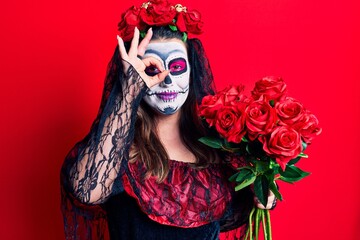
53	61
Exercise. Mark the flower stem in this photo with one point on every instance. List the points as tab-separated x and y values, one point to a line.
268	224
258	215
264	226
250	223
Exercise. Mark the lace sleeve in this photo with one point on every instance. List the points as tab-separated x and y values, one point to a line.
93	171
89	172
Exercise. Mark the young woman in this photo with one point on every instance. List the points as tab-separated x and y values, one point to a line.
141	172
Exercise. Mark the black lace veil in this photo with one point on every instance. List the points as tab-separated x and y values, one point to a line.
122	94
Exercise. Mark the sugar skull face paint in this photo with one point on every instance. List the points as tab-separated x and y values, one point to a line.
168	96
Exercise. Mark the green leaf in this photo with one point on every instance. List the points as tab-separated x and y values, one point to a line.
261	166
173	28
211	142
246	182
275	190
243	175
261	189
244	139
292	174
247	149
142	34
294	161
233	177
240	175
303	155
184	37
272	103
304	145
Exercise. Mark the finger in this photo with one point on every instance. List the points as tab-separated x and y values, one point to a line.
134	44
145	42
270	203
158	78
122	49
153	61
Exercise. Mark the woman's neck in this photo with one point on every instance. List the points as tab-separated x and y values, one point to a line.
168	127
168	130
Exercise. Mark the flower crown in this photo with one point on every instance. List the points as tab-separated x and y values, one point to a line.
159	13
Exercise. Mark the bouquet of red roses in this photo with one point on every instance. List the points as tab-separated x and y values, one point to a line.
269	131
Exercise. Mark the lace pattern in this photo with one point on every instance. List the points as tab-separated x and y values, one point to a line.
91	167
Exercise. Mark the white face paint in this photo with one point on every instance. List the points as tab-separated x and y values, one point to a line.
168	96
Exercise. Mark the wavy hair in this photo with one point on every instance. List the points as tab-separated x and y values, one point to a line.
147	146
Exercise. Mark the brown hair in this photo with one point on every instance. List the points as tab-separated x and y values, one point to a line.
148	148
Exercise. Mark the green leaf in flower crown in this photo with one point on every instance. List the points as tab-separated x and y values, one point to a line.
246	182
184	37
173	28
261	189
244	139
275	190
292	174
212	142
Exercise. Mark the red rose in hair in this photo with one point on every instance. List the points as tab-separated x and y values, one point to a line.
230	122
289	111
260	118
209	107
308	127
284	143
189	21
271	88
158	13
129	20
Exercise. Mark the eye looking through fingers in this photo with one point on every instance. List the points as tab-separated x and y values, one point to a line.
152	70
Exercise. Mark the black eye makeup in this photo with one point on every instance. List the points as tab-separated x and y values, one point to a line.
152	70
177	66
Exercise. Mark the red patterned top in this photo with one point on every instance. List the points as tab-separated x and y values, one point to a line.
188	197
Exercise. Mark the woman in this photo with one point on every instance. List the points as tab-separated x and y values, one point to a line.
141	173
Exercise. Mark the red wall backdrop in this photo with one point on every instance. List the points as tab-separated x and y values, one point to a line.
53	60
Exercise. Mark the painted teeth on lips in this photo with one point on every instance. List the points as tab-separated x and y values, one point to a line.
167	95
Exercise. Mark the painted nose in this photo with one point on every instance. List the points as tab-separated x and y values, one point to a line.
167	80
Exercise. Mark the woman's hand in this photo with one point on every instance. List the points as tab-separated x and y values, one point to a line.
271	203
134	55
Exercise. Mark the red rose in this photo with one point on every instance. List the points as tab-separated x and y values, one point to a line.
209	107
230	122
129	20
308	127
158	13
233	94
211	104
284	143
271	88
189	21
289	111
260	118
